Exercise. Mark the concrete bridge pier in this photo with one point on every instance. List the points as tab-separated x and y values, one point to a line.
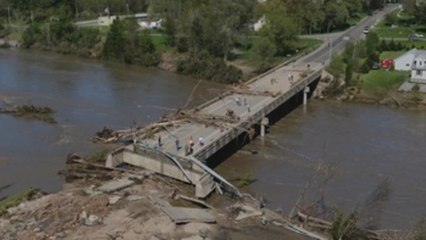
263	123
305	95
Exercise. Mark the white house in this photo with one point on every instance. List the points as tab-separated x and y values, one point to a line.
150	24
142	18
404	62
259	24
418	68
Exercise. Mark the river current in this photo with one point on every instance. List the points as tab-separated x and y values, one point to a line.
364	143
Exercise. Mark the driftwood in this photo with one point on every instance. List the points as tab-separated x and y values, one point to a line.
255	93
101	166
194	200
326	225
299	230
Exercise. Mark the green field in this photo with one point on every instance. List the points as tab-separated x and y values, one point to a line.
381	81
160	41
303	44
397	32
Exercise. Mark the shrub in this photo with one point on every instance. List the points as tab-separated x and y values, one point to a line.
209	68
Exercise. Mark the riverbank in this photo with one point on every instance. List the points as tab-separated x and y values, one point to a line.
130	203
375	89
96	205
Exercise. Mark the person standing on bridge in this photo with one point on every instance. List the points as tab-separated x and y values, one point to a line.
177	144
191	142
248	108
159	141
238	101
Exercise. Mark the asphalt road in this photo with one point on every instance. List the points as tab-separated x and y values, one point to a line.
338	41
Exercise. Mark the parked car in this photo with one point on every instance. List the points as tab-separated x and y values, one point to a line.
415	37
366	30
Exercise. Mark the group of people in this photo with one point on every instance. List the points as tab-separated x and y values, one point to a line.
189	147
238	102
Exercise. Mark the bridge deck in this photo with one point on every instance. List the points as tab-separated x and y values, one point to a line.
255	97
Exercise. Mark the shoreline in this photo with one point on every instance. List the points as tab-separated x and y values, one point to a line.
133	212
133	204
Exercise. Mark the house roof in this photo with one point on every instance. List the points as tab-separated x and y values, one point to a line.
420	54
411	52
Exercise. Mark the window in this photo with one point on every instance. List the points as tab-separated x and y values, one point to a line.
407	65
418	72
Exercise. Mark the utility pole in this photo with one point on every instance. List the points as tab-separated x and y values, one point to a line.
8	15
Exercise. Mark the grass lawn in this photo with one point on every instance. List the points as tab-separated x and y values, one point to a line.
304	45
391	54
160	42
397	32
380	81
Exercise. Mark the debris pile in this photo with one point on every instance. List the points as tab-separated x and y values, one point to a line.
42	113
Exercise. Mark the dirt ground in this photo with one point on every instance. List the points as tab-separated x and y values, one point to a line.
81	211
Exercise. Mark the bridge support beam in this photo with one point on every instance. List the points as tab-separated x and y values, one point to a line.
264	122
305	95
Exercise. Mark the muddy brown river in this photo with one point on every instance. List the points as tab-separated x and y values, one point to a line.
364	143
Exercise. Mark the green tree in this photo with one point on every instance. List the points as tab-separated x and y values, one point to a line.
148	53
280	27
336	14
383	46
419	13
376	4
115	43
264	51
392	46
349	59
31	35
372	42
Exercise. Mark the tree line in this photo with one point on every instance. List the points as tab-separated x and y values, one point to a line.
205	33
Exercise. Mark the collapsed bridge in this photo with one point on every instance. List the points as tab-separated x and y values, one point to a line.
182	147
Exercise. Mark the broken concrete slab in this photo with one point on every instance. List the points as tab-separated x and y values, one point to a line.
183	214
247	212
115	185
195	237
132	198
113	200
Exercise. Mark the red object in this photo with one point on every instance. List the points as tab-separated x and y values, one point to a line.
387	63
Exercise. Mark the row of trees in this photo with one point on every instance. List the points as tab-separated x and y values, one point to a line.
125	44
328	15
206	32
417	9
30	10
359	57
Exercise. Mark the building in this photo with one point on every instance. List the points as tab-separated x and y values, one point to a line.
143	21
418	68
259	24
404	62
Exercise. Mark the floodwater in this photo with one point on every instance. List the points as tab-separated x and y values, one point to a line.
365	143
86	95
